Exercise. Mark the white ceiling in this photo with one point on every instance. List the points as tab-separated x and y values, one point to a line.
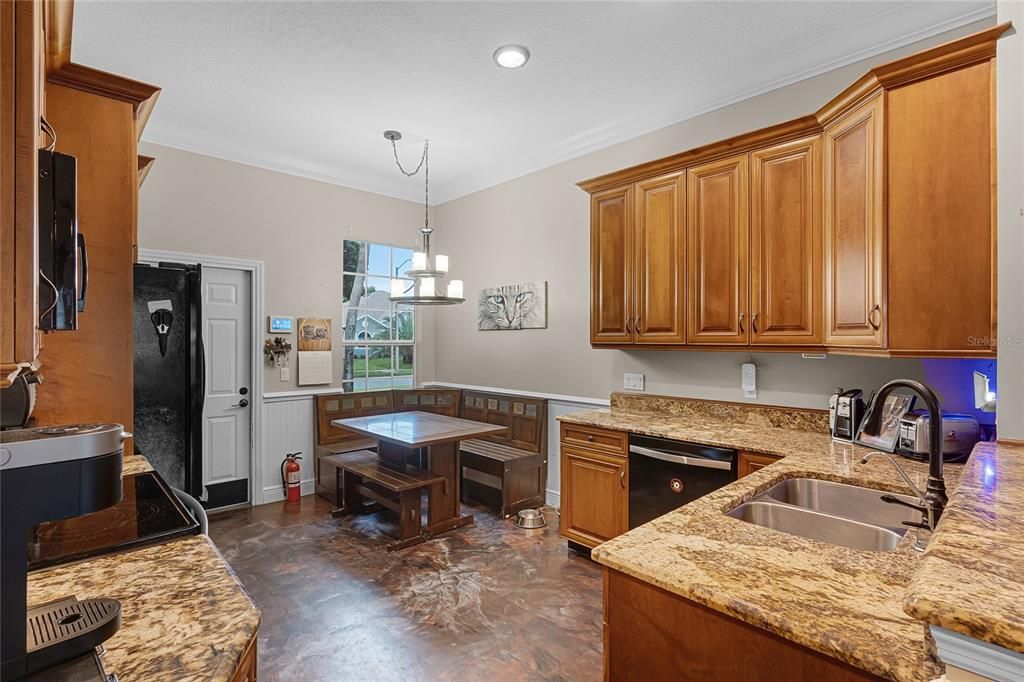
307	87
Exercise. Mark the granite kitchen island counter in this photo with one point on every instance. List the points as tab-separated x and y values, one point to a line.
842	602
185	616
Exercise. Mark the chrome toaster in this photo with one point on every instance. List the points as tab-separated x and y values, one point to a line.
959	435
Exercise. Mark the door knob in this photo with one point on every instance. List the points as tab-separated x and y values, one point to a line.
241	403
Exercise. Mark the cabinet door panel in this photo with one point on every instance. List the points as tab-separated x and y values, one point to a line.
594	496
941	224
717	227
611	271
785	245
855	228
660	260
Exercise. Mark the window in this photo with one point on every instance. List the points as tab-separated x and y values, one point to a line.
378	337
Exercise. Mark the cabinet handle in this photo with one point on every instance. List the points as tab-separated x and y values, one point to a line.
628	330
622	477
742	315
871	319
753	323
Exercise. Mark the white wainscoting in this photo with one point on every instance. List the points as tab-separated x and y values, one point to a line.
557	405
288	426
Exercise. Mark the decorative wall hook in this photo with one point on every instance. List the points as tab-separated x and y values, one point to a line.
276	350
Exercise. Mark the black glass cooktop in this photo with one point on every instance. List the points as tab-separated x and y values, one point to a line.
147	514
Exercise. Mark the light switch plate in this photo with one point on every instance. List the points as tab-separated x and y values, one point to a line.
633	382
286	373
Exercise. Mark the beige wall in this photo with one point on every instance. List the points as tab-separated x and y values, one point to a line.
203	205
536	228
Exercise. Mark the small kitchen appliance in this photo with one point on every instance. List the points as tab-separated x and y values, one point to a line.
48	474
849	412
960	433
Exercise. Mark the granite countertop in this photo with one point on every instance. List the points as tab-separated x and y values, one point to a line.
842	602
135	464
971	578
184	615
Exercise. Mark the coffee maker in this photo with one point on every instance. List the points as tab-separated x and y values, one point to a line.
847	413
48	474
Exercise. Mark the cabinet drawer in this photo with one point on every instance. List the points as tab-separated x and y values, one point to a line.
602	440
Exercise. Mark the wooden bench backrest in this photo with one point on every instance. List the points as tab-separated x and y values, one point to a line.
526	418
436	400
332	406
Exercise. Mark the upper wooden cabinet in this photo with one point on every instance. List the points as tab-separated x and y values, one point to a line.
611	266
941	247
659	244
867	228
855	227
718	223
785	244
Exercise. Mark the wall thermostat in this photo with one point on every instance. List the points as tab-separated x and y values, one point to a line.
280	325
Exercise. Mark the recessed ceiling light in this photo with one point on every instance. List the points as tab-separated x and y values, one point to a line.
511	56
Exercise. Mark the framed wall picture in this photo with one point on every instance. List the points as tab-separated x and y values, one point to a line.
314	333
892	413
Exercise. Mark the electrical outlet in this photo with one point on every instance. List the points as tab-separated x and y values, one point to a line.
286	373
633	382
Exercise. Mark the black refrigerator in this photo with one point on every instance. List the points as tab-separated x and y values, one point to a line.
170	372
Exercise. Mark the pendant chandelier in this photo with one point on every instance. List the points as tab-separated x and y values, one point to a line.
427	282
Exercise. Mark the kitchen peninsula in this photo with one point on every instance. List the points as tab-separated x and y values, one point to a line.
813	606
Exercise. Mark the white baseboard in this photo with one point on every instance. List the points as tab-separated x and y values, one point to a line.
553	498
274	493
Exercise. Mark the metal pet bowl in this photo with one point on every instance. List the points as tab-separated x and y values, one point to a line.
530	518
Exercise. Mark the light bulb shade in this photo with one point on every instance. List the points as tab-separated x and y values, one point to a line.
397	288
455	288
427	286
511	56
441	263
419	260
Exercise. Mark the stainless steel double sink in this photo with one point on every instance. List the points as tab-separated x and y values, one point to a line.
836	513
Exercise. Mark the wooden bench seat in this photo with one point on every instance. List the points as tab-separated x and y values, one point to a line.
515	463
362	476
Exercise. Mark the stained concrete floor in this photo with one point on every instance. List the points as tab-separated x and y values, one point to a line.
488	602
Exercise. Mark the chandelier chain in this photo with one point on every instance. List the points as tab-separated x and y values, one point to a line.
425	165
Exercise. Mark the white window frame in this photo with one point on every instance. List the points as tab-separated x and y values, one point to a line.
366	343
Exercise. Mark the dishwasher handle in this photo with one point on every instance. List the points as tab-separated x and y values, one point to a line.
681	459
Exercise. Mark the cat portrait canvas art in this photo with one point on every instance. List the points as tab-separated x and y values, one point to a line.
514	306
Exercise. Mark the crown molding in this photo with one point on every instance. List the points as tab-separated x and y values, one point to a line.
201	143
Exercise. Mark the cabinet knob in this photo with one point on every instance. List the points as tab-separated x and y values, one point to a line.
590	438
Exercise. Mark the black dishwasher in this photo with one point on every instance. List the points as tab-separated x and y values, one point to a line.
666	474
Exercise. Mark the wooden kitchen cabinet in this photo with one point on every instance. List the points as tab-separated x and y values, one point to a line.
611	266
22	73
595	484
595	496
718	239
749	462
659	247
855	227
866	228
941	220
786	244
246	669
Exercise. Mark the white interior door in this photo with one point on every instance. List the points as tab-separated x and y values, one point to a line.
227	416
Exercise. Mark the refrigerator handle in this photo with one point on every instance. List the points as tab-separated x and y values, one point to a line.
199	386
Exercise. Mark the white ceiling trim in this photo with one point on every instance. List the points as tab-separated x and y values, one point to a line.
190	140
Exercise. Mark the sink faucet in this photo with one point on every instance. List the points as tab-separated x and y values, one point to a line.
934	499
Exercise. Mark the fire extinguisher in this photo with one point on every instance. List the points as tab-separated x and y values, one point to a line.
290	476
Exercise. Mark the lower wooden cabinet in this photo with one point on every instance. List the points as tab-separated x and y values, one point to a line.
595	487
652	634
246	670
749	462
